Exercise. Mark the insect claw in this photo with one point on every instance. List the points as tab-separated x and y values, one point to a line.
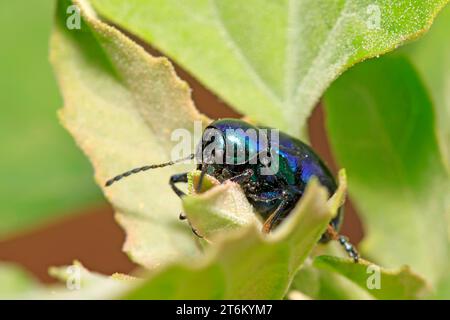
349	248
196	233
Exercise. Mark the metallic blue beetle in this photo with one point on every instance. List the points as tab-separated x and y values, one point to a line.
272	195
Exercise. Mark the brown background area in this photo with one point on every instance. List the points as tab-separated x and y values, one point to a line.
94	238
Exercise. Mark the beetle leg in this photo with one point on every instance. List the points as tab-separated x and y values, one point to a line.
274	217
343	241
278	213
183	217
349	248
263	199
288	195
194	231
177	178
242	177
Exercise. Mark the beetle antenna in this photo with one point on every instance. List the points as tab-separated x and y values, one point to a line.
145	168
198	187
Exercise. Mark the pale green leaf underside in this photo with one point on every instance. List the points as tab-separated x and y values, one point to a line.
76	283
121	105
271	60
217	278
245	265
226	209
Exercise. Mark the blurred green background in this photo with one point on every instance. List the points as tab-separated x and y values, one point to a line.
43	174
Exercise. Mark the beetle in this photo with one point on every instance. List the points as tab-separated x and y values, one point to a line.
232	149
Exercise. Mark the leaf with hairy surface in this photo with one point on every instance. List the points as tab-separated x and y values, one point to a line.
272	60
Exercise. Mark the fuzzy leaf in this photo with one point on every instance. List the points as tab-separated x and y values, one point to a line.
225	272
271	60
82	284
221	274
77	283
121	105
226	208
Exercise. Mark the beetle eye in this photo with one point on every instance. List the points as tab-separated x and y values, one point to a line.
211	148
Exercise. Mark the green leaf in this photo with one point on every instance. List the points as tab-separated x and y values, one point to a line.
219	210
15	282
271	260
326	285
207	183
443	289
246	265
381	126
271	60
43	174
431	57
80	283
225	207
381	283
306	280
76	283
121	105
